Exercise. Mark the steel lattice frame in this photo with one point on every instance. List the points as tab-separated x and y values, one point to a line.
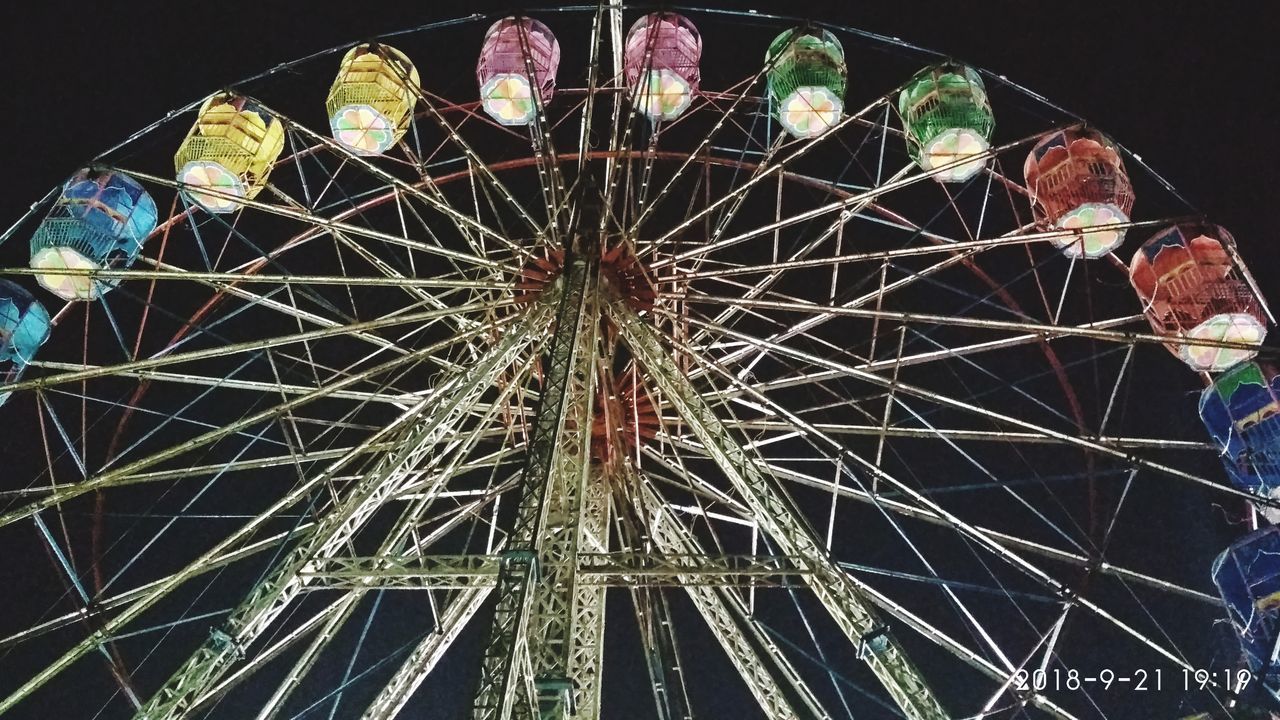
427	372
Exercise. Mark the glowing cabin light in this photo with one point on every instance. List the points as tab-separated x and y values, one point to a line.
1247	575
661	64
1077	181
370	104
24	326
100	220
947	118
1192	290
512	47
1241	411
230	151
807	78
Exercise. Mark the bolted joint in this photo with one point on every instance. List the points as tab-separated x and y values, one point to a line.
555	696
520	559
873	642
222	641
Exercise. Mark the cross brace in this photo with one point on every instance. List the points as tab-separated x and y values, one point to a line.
775	513
615	569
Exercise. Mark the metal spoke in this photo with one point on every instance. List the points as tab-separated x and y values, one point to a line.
783	523
821	388
1084	443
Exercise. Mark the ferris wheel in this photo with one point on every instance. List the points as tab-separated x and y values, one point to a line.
610	363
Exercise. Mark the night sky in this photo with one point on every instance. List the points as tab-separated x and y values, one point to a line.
1187	86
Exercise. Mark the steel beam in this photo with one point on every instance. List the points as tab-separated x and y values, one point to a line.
417	444
535	582
774	512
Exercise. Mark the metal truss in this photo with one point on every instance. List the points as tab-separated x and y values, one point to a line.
396	693
773	511
536	583
623	568
420	434
769	675
661	654
586	650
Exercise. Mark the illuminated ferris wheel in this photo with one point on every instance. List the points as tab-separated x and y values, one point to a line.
687	367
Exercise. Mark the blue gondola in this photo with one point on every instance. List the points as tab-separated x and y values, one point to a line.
1248	578
1241	411
24	326
100	220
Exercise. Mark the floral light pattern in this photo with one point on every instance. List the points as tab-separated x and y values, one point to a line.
810	111
508	98
1095	242
1227	327
67	287
202	173
661	94
363	129
950	146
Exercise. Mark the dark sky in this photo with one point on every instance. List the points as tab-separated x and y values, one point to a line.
1187	86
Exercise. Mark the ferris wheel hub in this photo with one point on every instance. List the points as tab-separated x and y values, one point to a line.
625	412
624	274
